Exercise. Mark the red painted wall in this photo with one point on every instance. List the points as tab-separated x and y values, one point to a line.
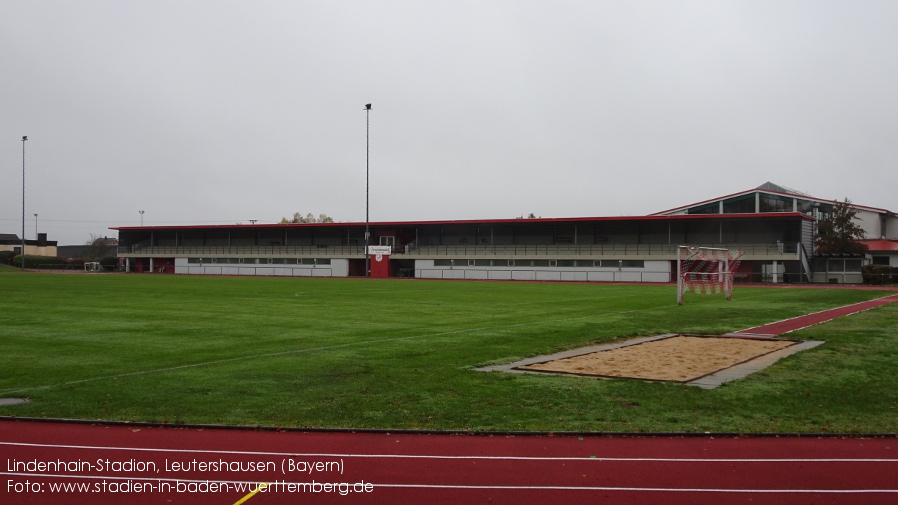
380	269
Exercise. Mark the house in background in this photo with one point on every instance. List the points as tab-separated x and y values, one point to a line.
39	247
101	247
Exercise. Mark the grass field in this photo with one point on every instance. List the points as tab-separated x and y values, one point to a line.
356	353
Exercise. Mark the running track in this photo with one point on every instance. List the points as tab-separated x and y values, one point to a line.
120	463
438	469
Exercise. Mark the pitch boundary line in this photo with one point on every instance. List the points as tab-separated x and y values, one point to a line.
308	350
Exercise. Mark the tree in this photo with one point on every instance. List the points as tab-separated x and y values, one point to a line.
308	218
837	232
97	247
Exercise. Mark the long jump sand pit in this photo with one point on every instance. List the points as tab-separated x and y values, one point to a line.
705	361
678	358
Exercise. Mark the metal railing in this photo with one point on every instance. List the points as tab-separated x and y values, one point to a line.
261	271
661	250
666	251
553	275
202	251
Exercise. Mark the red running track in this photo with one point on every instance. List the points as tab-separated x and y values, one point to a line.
800	322
111	463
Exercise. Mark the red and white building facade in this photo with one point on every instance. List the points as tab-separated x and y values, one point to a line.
774	227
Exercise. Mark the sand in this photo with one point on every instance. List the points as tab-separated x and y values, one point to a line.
679	358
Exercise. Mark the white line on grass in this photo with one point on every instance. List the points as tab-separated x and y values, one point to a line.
311	349
229	360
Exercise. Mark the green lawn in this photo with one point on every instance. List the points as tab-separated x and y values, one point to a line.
357	353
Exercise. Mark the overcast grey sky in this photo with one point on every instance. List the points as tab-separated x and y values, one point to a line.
202	112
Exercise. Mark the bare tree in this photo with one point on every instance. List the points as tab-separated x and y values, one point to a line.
308	218
96	248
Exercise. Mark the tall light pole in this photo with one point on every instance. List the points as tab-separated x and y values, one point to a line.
367	157
24	138
141	217
35	226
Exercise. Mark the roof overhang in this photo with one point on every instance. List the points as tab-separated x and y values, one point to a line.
481	222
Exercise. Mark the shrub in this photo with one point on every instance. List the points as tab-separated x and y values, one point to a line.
46	262
109	263
6	257
880	274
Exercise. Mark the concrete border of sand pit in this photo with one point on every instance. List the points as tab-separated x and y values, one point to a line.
12	401
709	381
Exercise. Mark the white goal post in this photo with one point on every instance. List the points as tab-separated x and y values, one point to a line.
706	270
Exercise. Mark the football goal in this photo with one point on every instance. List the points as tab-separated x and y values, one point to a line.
706	270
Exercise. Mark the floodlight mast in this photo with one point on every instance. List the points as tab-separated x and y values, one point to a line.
367	158
24	138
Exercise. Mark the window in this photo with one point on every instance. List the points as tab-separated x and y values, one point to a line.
774	203
739	205
851	265
880	260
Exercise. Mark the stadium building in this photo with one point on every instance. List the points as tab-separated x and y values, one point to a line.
774	226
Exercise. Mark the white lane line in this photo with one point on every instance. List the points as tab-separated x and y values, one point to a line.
275	484
456	457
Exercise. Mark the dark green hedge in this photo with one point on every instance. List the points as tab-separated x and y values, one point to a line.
45	262
6	257
880	274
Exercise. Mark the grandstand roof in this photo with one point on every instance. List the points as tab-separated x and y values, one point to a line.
769	187
479	222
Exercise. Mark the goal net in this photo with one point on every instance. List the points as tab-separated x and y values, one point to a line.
706	270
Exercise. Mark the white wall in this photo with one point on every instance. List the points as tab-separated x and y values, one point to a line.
654	271
337	268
